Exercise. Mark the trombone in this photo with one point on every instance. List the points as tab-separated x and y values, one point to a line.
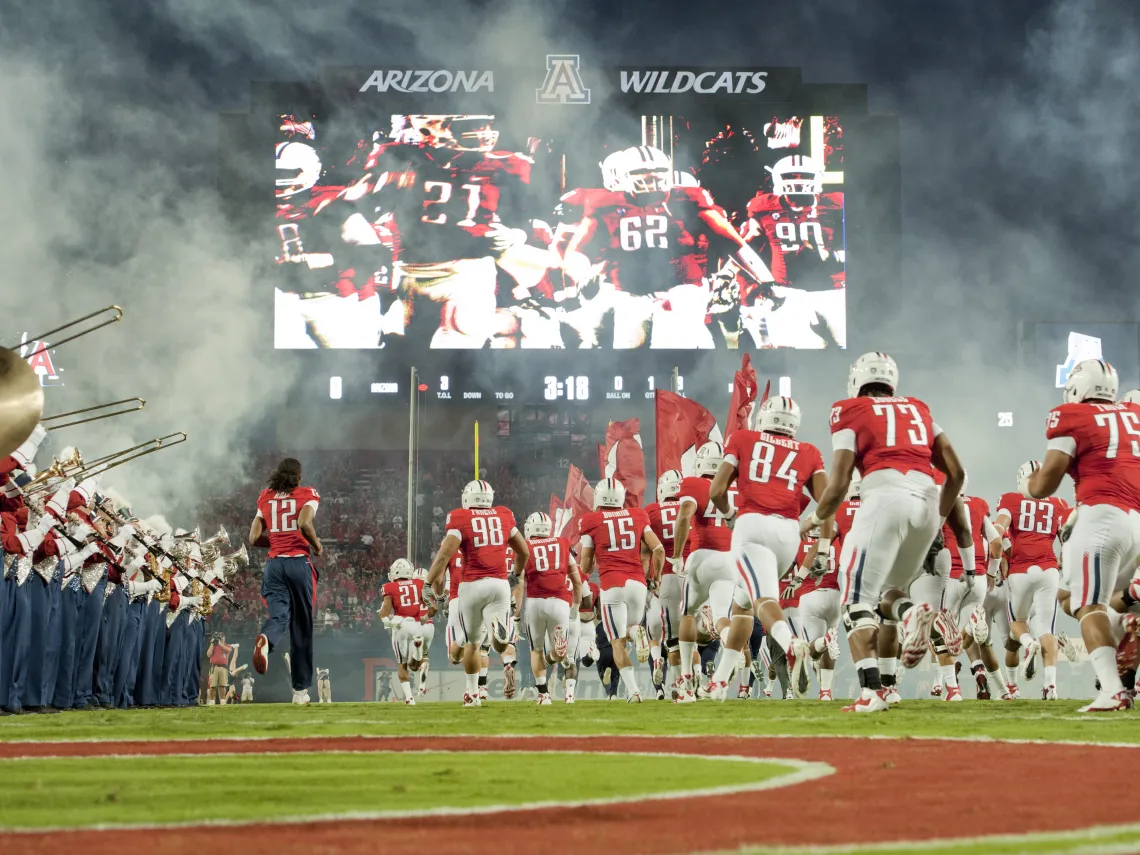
109	461
117	315
139	401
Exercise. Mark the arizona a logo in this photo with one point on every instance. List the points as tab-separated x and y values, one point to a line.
563	83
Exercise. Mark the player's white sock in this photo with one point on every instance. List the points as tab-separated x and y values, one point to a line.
406	688
949	675
1026	639
826	675
674	673
654	652
1104	663
471	684
997	687
782	634
1050	673
571	683
629	678
729	660
688	649
889	666
1011	675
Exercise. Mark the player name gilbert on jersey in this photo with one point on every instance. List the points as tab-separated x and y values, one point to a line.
1103	441
772	471
483	535
885	434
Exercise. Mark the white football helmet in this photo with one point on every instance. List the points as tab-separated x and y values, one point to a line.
537	524
1023	472
872	367
401	569
459	132
796	175
610	171
1131	397
643	169
421	573
1091	379
478	494
709	457
609	493
668	485
298	168
855	485
778	415
681	178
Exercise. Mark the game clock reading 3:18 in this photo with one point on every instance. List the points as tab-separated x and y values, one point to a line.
568	388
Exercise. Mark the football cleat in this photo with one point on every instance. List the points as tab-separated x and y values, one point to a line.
947	627
825	695
261	654
953	694
1109	703
500	631
635	698
936	690
978	625
743	693
869	701
706	623
471	700
659	671
1027	667
716	689
561	643
1011	693
640	639
799	655
301	698
482	693
685	697
832	639
544	699
916	624
767	690
1048	693
983	686
789	695
508	681
659	693
409	702
891	695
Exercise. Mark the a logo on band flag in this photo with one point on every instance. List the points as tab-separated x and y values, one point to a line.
563	82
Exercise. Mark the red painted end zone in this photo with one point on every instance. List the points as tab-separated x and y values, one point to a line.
903	789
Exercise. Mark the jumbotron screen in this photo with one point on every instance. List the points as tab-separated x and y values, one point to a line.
435	230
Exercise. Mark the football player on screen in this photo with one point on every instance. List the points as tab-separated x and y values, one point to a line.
318	302
640	253
799	230
438	186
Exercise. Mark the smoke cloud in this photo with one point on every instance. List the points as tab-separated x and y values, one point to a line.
1017	137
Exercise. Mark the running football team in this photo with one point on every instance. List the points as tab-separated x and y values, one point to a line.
895	550
431	234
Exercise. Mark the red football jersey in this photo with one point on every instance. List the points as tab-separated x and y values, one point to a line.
279	513
407	597
809	584
548	569
483	534
663	521
444	202
1033	527
885	433
595	592
615	536
802	247
771	471
977	511
646	246
1103	441
708	529
454	574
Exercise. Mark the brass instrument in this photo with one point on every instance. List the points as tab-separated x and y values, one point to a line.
141	403
210	546
109	461
57	470
198	588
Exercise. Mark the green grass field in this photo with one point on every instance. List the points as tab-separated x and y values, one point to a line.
1009	720
80	792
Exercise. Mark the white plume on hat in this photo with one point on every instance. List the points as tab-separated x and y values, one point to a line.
158	525
117	499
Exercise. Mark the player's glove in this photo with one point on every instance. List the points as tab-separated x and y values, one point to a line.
931	554
1067	527
821	566
731	521
795	581
678	565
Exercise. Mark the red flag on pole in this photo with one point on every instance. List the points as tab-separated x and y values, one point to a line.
624	459
744	388
555	510
602	458
767	389
579	500
682	426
